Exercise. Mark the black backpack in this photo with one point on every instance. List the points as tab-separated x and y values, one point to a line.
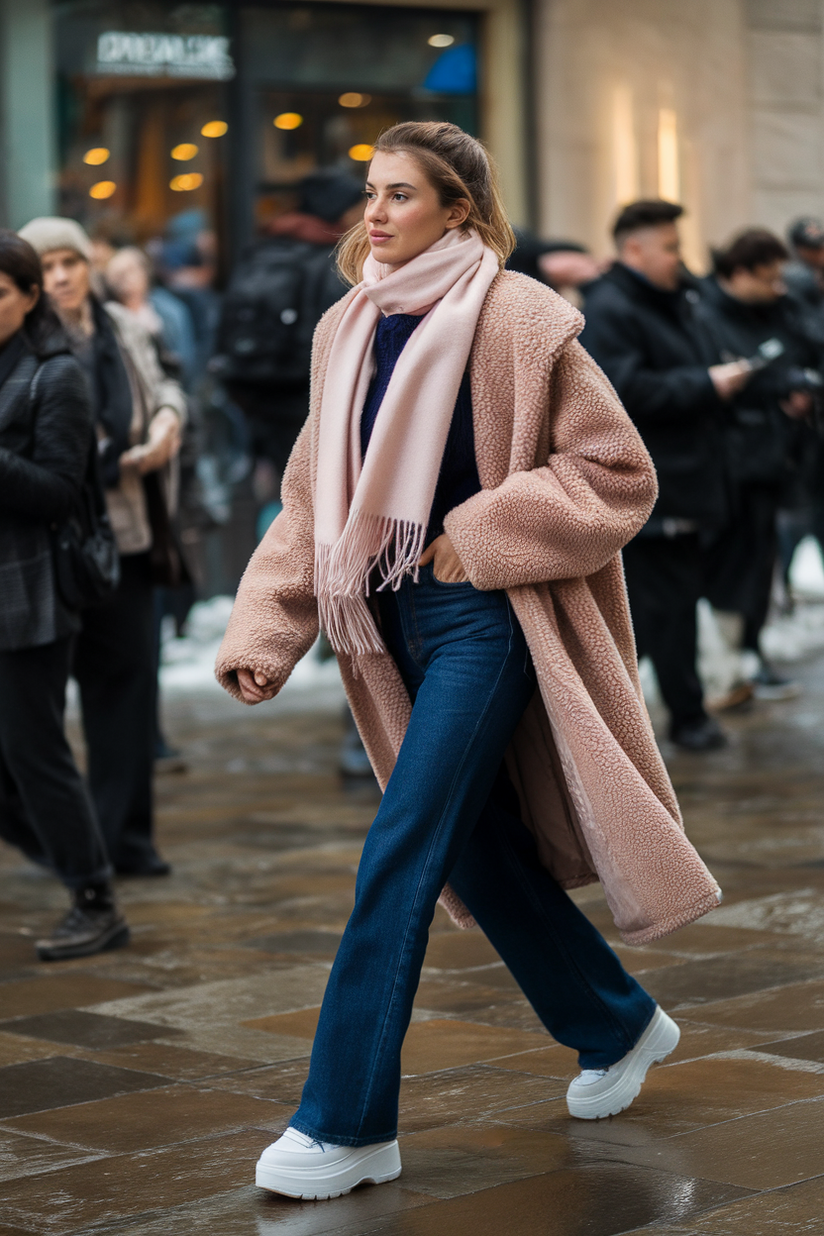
276	296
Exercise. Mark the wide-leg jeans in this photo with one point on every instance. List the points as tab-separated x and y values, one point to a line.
449	814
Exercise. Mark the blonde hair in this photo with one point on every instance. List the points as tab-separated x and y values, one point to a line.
457	166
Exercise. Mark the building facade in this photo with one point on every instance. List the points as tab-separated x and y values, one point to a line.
134	115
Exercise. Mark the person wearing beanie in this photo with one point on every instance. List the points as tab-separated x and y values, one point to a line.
139	414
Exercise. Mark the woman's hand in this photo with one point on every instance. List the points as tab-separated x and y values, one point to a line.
255	687
447	567
162	444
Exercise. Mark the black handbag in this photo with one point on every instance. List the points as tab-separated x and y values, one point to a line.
86	561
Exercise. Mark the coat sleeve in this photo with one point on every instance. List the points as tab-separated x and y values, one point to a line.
651	395
275	617
570	516
46	485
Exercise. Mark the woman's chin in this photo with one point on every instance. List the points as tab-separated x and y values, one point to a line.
383	253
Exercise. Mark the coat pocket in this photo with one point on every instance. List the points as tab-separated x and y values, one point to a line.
27	613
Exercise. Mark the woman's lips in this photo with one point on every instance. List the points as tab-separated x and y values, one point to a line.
378	238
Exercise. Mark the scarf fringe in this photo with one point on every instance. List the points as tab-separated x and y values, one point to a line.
343	574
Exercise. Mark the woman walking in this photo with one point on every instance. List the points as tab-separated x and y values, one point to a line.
453	514
45	439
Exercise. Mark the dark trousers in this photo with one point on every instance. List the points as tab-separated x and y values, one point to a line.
740	563
665	581
115	669
44	807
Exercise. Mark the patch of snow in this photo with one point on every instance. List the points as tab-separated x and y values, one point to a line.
188	661
807	570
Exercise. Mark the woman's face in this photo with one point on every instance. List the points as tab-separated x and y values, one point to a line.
65	279
14	305
404	215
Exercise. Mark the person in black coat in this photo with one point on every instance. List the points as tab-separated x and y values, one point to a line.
279	291
45	441
642	330
769	442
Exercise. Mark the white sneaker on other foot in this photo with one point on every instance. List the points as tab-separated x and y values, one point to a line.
596	1093
296	1166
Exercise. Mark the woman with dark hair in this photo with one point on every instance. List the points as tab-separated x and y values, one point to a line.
139	414
453	513
45	441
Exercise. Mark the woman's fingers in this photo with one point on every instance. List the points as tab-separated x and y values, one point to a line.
254	687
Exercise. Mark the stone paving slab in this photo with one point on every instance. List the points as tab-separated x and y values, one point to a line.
138	1088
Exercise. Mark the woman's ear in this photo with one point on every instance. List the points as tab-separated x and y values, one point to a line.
458	213
34	296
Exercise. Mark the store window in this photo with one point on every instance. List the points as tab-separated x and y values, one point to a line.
146	92
141	107
327	78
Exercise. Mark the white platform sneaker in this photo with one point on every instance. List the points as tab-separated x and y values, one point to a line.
296	1166
596	1093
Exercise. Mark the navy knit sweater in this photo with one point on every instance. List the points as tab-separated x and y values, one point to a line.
458	478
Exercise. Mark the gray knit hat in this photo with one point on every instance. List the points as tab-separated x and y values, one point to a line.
50	232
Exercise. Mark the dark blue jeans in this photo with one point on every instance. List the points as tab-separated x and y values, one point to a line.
450	814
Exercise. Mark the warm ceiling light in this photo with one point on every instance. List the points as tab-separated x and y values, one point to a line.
184	152
215	128
186	182
441	40
288	120
102	190
96	156
353	99
361	153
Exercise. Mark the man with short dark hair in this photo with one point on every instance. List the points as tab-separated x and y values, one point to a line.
641	329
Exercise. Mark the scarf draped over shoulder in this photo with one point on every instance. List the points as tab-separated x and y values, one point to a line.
371	515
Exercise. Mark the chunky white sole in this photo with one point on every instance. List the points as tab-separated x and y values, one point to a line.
365	1165
622	1084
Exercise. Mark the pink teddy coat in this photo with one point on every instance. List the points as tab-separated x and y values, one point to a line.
566	482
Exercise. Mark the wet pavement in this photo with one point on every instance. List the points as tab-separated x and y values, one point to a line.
138	1088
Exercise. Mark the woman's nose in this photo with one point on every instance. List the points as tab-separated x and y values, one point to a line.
375	211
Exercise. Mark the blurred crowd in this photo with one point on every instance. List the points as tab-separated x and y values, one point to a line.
136	401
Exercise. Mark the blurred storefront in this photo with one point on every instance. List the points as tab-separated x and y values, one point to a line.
584	103
195	122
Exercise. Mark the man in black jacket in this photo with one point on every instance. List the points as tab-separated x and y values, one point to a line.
773	450
642	331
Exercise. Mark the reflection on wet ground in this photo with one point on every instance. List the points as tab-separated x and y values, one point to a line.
138	1088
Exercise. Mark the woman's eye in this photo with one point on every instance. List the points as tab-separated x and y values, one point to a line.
400	197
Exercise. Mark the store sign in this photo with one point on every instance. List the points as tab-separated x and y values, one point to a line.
164	55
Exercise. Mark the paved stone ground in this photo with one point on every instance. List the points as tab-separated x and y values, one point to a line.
137	1088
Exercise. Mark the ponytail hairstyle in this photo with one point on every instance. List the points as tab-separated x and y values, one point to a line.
21	263
457	166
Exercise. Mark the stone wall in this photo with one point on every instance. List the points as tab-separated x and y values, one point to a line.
718	102
785	109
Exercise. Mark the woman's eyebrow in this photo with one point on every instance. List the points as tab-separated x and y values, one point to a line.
401	184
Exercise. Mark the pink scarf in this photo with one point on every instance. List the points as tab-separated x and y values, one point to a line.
375	514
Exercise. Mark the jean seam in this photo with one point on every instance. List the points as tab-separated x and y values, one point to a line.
609	1015
424	870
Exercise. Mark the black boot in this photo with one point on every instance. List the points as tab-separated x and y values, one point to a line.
702	734
92	925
